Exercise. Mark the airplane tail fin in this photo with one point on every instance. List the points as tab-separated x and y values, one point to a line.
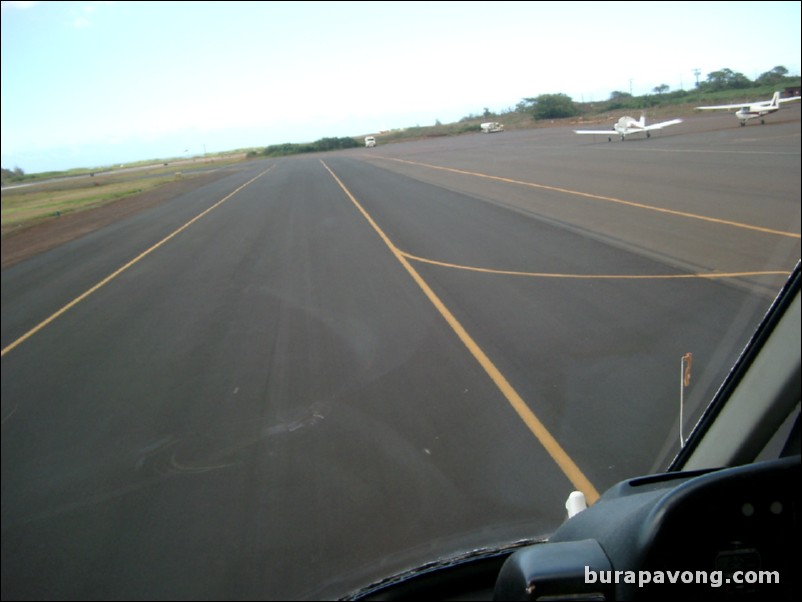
775	100
642	121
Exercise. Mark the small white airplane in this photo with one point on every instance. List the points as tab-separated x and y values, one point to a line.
752	110
491	127
628	125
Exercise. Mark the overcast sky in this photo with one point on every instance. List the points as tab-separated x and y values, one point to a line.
89	84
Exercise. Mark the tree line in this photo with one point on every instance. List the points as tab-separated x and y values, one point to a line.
556	106
290	148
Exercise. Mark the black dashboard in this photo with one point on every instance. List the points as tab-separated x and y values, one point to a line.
727	534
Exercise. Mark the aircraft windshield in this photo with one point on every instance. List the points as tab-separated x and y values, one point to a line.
279	320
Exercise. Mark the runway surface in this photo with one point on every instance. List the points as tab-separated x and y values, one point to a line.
321	370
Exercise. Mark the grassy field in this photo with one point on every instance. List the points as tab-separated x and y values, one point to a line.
37	199
31	204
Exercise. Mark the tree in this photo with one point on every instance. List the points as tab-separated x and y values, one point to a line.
661	89
621	100
553	106
618	96
10	175
523	106
773	77
726	79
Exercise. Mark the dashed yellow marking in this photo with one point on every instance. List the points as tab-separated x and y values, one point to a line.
552	446
119	271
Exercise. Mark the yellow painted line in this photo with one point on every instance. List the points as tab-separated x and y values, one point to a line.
719	151
119	271
554	449
598	197
703	275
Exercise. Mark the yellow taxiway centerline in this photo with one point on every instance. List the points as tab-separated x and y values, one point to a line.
701	275
119	271
598	197
552	446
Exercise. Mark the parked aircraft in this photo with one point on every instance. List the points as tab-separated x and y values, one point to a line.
491	127
751	110
628	125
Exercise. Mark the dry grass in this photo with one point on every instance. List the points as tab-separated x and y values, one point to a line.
27	205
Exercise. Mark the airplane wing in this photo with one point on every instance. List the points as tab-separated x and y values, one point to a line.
724	107
754	106
662	124
608	132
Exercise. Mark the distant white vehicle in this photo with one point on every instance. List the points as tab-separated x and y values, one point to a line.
752	110
628	125
370	141
491	126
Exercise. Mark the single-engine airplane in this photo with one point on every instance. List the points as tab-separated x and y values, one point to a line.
491	127
752	110
628	125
